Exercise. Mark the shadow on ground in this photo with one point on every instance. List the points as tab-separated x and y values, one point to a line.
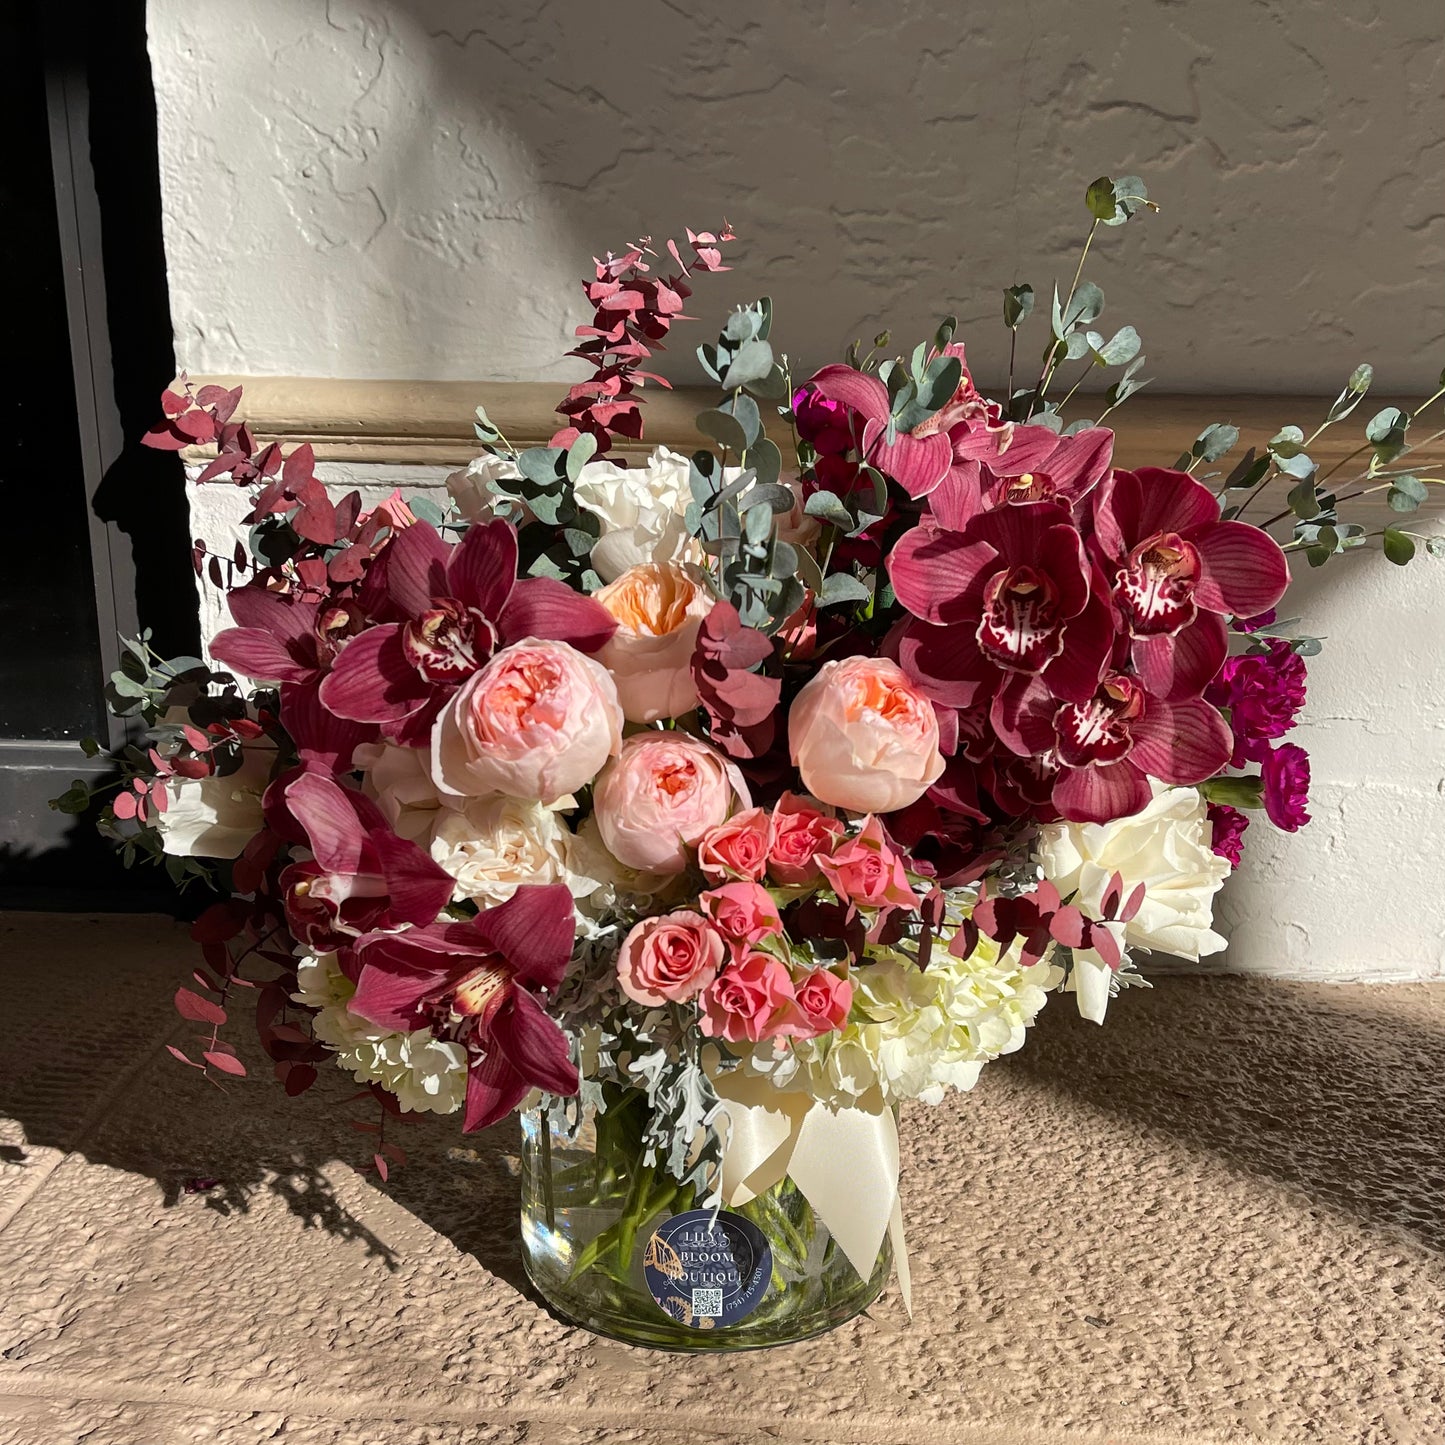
1334	1093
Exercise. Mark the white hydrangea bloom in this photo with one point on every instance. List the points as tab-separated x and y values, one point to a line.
427	1074
916	1034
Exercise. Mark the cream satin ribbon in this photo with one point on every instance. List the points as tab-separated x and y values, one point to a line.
844	1163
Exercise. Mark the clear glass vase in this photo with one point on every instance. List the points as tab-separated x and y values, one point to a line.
620	1248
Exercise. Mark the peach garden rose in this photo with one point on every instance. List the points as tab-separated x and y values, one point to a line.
663	792
863	737
659	609
537	722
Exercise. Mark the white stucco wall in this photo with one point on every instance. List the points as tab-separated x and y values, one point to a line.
411	188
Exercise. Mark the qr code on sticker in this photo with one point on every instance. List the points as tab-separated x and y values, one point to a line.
707	1304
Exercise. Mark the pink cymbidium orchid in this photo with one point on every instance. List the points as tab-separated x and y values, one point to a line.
361	876
1176	571
478	982
445	610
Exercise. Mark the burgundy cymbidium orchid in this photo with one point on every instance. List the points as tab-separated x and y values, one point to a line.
361	875
1005	600
445	609
477	982
1176	571
1109	745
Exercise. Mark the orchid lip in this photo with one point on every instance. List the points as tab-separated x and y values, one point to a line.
1098	731
1020	629
442	643
482	992
1156	585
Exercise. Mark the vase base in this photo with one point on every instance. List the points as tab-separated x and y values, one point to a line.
633	1327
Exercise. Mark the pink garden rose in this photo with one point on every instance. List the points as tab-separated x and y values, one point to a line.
799	833
669	959
660	796
536	722
823	1000
751	1000
738	848
867	872
743	912
658	609
863	737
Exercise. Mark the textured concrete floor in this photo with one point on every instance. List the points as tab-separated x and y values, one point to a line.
1217	1219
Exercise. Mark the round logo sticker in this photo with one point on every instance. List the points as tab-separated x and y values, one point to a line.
706	1271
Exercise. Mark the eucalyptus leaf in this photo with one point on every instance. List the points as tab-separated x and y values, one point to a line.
1099	198
772	387
1406	493
752	363
828	507
766	460
1083	306
1399	547
777	498
1018	305
484	427
1123	346
1214	441
1287	442
1248	472
543	465
936	389
1130	195
1386	431
1303	499
579	454
842	587
426	510
746	414
943	337
1435	546
724	429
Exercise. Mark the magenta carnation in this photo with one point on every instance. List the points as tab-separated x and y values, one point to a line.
1264	692
1228	825
1287	786
826	425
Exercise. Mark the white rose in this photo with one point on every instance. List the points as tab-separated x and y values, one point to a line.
1166	847
216	817
471	489
399	782
641	511
497	844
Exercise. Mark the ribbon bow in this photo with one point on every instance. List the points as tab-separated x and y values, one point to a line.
844	1162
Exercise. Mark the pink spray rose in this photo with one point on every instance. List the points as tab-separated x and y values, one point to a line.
536	722
669	959
863	737
660	796
800	833
823	1000
743	911
751	1000
659	610
867	872
738	848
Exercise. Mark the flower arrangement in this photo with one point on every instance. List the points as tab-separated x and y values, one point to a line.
785	780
